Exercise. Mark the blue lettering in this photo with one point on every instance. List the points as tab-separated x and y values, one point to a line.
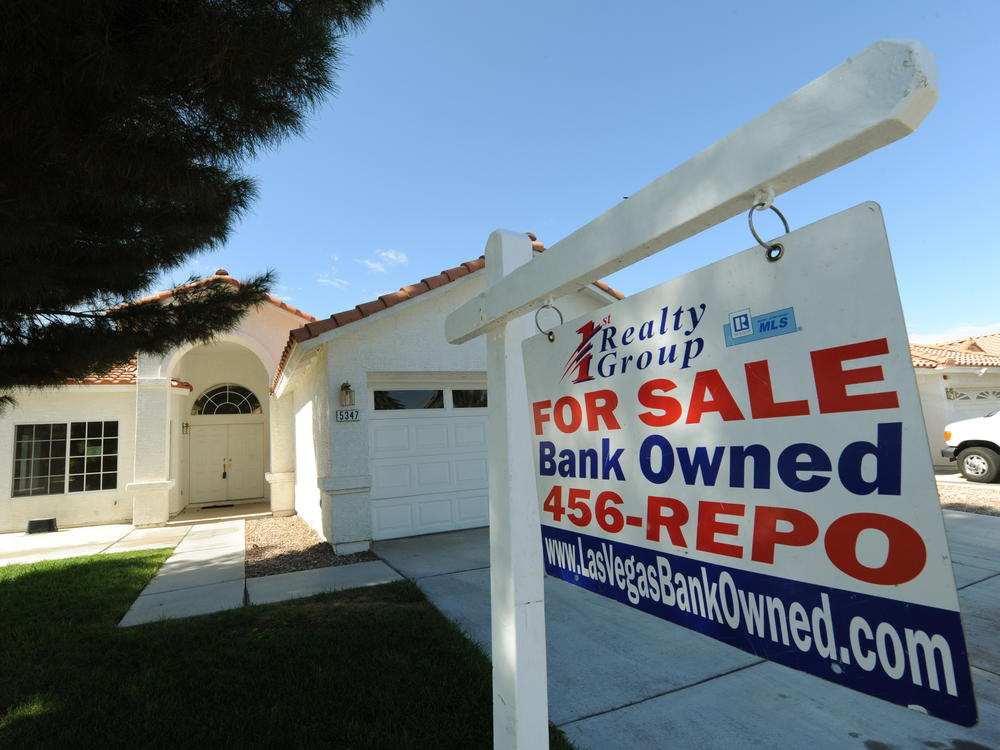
709	468
888	462
606	370
609	463
546	458
656	443
761	466
608	337
790	464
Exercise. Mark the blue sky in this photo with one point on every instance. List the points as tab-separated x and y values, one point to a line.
456	118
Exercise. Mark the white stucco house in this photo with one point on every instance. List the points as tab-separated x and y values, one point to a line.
956	380
253	416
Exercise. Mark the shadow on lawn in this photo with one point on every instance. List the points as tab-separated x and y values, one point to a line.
376	667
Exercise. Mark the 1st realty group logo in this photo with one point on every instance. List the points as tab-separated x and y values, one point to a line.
605	350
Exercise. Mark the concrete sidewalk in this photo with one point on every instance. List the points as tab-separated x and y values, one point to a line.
619	678
204	574
86	540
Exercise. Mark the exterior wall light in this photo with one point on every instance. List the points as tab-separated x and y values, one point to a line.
346	395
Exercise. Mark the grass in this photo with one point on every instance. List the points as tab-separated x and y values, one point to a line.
369	668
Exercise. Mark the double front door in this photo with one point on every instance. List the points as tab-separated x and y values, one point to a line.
227	462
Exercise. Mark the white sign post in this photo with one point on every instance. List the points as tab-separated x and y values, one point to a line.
869	101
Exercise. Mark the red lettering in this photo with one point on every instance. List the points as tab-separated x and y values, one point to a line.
670	407
553	503
762	403
601	405
832	379
907	553
766	536
710	383
575	414
540	416
576	503
709	525
609	517
655	520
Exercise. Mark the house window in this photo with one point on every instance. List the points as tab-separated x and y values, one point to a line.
227	399
472	398
409	399
50	459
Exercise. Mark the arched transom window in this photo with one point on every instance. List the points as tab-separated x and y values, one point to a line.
227	399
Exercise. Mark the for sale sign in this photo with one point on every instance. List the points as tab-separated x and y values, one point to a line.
741	451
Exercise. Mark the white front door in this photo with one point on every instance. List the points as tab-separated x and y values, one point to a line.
226	462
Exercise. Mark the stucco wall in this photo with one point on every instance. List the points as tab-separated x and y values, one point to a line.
265	330
311	416
79	404
930	388
407	338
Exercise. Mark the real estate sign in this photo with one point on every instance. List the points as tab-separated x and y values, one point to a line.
741	451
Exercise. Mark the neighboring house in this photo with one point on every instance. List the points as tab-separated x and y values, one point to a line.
253	416
956	380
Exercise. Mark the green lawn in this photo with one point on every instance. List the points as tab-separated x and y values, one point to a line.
368	668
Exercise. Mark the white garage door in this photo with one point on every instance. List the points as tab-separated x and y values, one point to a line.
427	449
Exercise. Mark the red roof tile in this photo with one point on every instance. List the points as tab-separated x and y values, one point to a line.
122	375
386	301
223	276
125	374
979	351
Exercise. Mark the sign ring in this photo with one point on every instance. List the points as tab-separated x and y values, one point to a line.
775	250
551	336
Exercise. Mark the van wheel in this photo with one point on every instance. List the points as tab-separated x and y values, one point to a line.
979	464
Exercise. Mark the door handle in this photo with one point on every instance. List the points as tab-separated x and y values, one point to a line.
226	463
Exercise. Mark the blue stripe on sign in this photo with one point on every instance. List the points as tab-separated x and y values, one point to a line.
765	326
908	654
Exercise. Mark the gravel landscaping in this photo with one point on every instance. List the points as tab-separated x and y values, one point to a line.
971	498
287	544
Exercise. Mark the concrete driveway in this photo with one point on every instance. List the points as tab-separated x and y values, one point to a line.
619	678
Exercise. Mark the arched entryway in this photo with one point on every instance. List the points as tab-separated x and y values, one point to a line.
223	446
226	460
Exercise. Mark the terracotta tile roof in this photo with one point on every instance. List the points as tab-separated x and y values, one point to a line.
988	344
366	309
978	351
223	275
123	375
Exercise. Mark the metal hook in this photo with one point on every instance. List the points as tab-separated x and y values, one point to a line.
775	250
549	333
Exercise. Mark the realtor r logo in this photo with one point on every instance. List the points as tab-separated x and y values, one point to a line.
740	323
